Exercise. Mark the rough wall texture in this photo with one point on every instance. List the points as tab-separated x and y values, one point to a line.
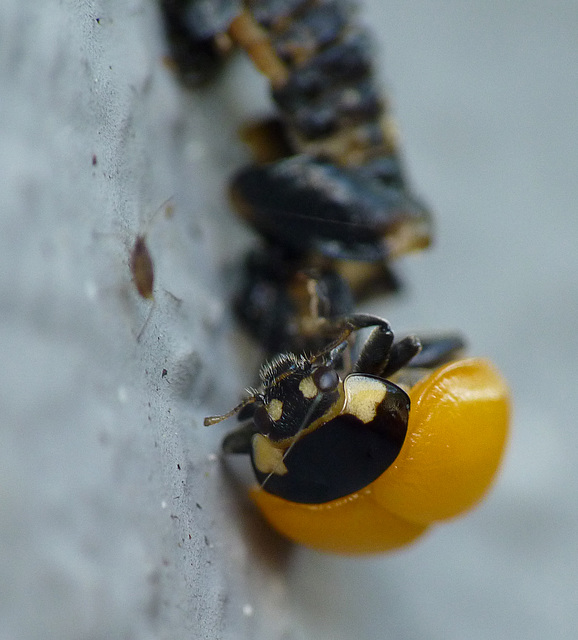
113	508
117	520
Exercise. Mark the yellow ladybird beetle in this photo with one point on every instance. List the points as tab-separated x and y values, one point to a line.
367	461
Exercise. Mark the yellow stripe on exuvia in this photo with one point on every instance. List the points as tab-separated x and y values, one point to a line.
307	387
267	457
363	396
274	409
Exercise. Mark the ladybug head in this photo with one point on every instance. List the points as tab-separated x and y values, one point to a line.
295	391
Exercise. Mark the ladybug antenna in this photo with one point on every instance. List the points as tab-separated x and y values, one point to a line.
211	420
330	353
337	346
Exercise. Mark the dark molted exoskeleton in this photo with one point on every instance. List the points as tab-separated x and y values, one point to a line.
328	193
343	193
288	305
309	205
195	32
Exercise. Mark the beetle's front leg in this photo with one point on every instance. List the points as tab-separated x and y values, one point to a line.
378	352
379	356
439	350
239	440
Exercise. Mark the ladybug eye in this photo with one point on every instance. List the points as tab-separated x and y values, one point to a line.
325	379
262	420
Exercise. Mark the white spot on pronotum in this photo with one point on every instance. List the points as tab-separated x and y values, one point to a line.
307	387
248	610
267	457
275	409
363	396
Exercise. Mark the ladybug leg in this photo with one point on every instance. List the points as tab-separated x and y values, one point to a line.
417	355
402	354
376	352
438	350
357	321
381	357
239	440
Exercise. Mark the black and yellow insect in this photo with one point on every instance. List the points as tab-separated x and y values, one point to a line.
366	459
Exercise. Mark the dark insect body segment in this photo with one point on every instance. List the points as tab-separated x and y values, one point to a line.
291	307
195	30
347	170
311	206
329	87
342	194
